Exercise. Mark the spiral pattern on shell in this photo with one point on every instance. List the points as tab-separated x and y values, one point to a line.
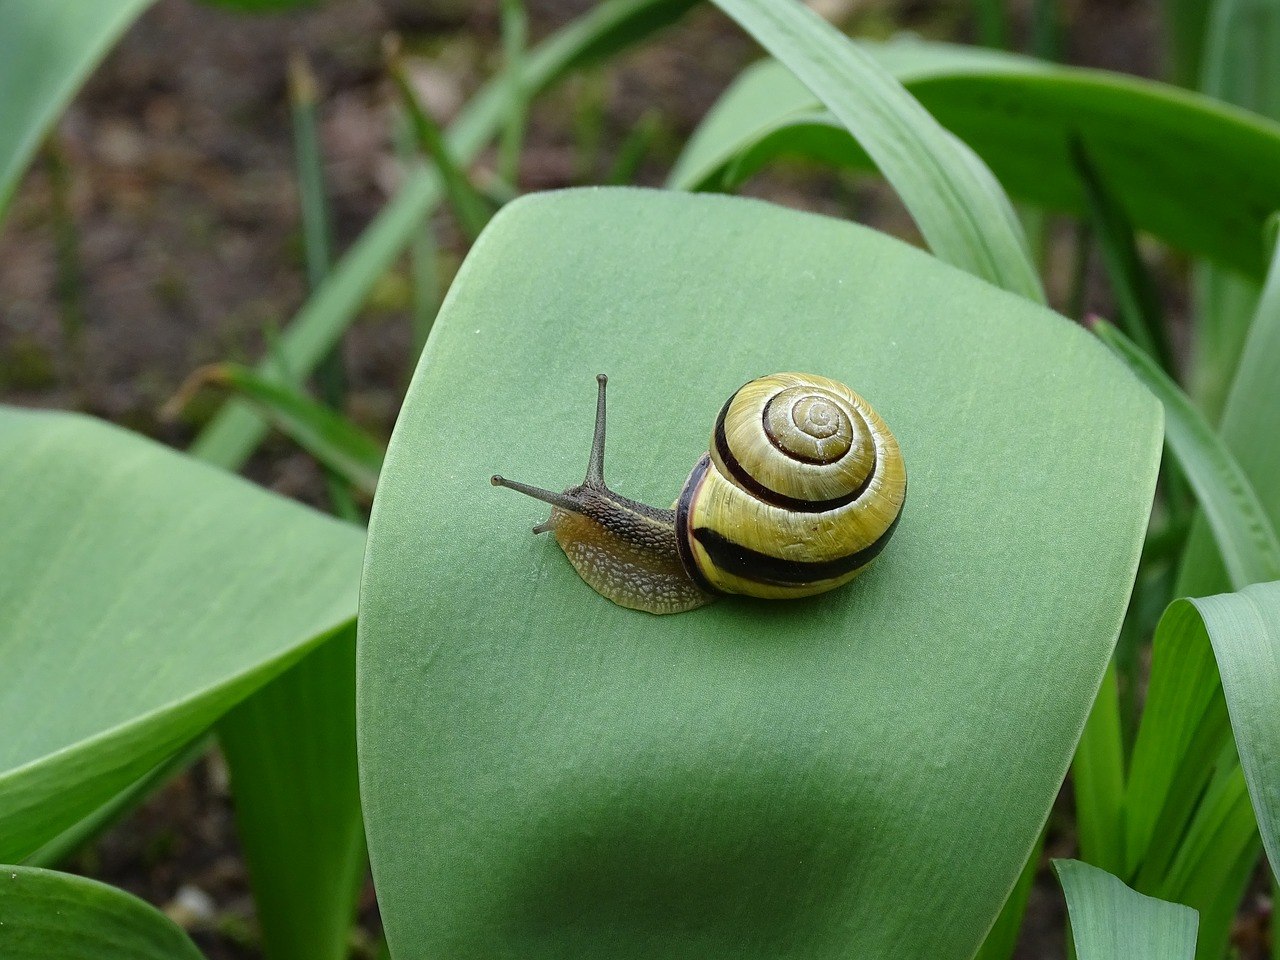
801	489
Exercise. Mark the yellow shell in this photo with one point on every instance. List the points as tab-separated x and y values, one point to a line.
802	488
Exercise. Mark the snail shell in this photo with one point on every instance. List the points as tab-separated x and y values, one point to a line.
801	489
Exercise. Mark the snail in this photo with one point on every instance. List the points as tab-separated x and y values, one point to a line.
801	489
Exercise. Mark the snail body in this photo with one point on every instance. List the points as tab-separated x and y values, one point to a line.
801	489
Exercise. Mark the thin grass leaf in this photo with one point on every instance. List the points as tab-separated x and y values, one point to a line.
469	205
960	208
515	38
634	148
1242	67
1131	283
291	752
993	24
56	916
1241	526
608	27
1018	114
47	50
1097	775
1109	921
1244	628
328	436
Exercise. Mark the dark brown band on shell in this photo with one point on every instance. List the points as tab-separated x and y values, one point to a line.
683	506
735	559
757	489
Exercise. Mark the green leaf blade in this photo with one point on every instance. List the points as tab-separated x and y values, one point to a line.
143	595
1111	922
959	207
56	916
752	778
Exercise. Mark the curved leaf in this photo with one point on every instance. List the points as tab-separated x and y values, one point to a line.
47	49
548	775
1111	922
142	595
56	916
1148	141
955	201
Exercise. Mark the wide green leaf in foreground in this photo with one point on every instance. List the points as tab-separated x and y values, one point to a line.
548	775
1109	921
46	915
142	595
1148	142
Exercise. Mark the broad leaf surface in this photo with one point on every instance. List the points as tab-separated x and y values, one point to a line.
46	915
1149	142
1109	921
142	595
548	775
47	49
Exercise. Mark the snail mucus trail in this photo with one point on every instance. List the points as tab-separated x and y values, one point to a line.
801	489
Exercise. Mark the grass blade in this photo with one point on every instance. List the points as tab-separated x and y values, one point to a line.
1109	921
328	436
515	38
1002	938
959	207
1240	524
612	25
292	755
1131	283
1097	774
57	916
472	209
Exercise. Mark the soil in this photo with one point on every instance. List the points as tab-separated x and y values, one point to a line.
158	231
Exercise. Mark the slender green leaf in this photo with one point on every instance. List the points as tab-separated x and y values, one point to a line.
472	209
1241	527
328	436
142	595
959	207
56	916
1134	290
47	50
752	779
515	38
1244	629
291	751
1097	774
609	26
1019	114
1185	22
1242	67
1111	922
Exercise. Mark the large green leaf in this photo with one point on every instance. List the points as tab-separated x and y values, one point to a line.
960	209
548	775
55	916
1111	922
47	49
1148	142
142	595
